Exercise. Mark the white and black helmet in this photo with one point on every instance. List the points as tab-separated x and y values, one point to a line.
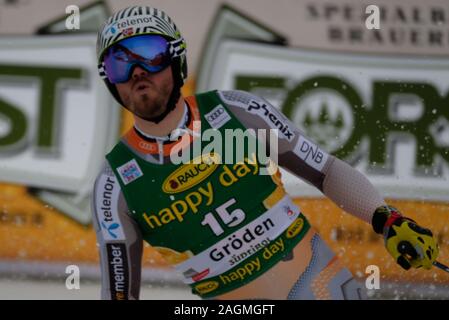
140	20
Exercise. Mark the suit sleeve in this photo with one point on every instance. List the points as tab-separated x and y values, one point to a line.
298	154
118	238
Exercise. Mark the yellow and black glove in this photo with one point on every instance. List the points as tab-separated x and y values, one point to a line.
409	244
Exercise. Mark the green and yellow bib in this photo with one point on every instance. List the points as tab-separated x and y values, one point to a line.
221	225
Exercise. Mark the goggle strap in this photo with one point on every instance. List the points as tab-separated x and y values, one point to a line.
177	48
102	71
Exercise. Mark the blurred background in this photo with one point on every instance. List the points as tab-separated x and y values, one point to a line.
374	95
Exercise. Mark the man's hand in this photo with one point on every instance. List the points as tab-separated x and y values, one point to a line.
409	244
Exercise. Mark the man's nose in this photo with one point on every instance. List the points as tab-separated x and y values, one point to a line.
139	72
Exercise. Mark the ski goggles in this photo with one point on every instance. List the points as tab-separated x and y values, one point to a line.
153	53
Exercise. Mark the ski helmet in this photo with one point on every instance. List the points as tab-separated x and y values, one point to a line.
141	20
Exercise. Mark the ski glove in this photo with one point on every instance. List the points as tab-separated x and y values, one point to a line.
409	244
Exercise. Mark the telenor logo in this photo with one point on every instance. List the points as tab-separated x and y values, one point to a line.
110	228
112	29
108	216
190	174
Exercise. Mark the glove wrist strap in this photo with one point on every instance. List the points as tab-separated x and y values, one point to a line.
392	218
384	217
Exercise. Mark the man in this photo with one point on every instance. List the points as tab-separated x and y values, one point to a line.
228	228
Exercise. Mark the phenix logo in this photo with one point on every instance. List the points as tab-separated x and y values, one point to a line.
279	123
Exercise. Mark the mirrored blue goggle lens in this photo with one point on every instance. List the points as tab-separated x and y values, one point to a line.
151	52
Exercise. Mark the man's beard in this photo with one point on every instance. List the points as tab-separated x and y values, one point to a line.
149	106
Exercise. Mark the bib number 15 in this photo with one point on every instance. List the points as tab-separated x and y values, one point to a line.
229	218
